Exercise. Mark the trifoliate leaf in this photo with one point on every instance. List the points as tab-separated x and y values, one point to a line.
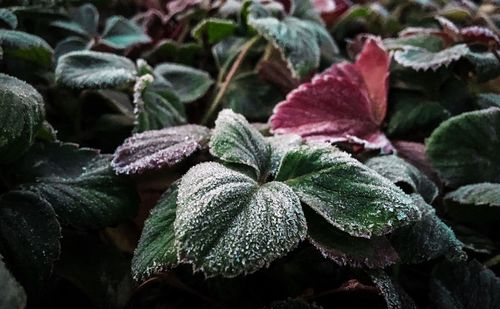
404	175
235	141
25	46
12	295
8	18
476	203
121	33
89	69
154	150
227	224
464	148
350	196
156	249
464	285
189	84
394	295
29	237
427	238
301	41
213	30
347	102
81	186
347	250
21	115
421	59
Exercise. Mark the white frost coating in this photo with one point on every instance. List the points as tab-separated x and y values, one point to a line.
140	84
421	59
227	225
234	140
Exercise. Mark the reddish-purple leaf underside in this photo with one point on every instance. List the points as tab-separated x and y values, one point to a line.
345	103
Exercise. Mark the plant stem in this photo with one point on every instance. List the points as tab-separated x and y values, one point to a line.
224	85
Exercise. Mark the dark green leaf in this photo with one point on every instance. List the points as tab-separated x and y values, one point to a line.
12	295
464	285
352	197
486	65
419	58
70	44
429	42
8	18
226	51
464	148
213	30
486	100
89	69
121	33
280	145
21	115
29	236
25	46
227	224
188	84
87	17
404	175
156	249
394	295
477	203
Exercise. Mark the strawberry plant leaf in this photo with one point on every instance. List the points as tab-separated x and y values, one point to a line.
235	141
21	115
227	224
421	59
280	145
154	150
427	238
394	295
84	21
70	44
487	100
89	69
12	294
476	203
29	237
450	280
349	195
477	34
213	30
345	249
463	148
7	18
485	65
25	46
404	175
156	249
121	33
188	84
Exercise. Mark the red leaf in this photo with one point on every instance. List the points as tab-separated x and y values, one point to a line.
343	104
331	10
480	35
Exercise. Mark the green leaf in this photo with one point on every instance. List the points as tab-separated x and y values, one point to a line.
170	50
464	148
486	65
280	145
81	186
89	69
252	97
12	295
235	141
427	238
464	285
188	84
226	51
8	18
429	42
477	203
419	58
156	249
25	46
21	115
121	33
486	100
302	42
213	30
87	17
349	195
70	44
29	236
404	175
227	224
347	250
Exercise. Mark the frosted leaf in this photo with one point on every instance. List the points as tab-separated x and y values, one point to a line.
154	150
29	234
21	115
464	285
347	250
476	203
404	175
476	34
12	294
394	295
427	238
121	33
213	30
8	18
80	185
90	69
280	145
156	249
228	225
414	153
349	195
464	149
421	59
234	140
25	46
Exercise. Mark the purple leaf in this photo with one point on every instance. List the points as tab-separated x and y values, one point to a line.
153	150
